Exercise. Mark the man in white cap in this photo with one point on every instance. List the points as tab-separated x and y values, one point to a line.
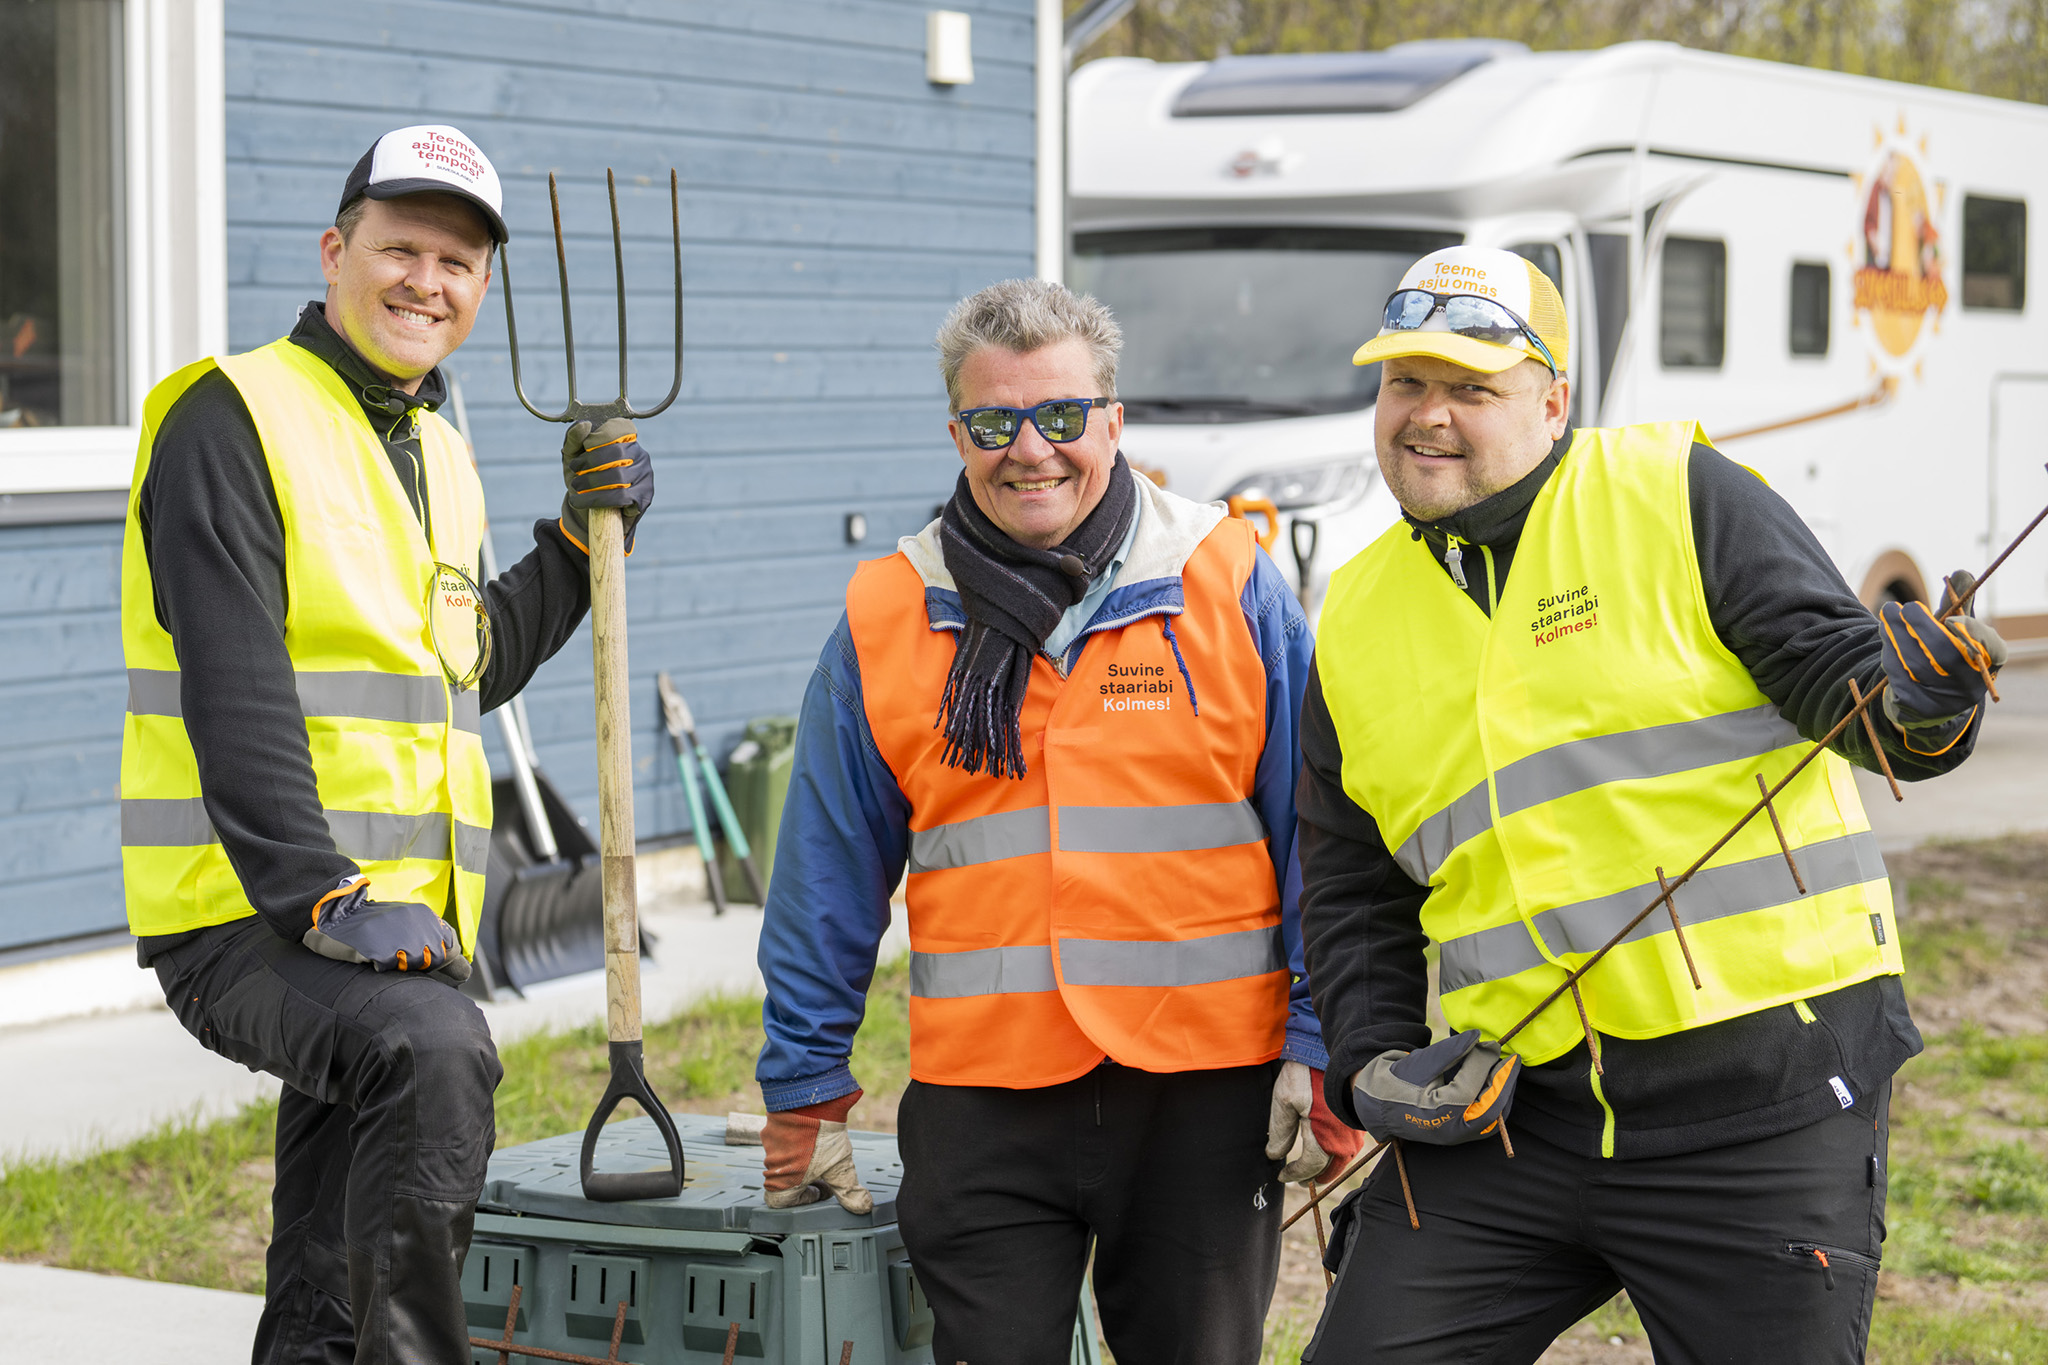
305	803
1558	682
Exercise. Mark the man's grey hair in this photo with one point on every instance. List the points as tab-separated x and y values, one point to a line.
1023	316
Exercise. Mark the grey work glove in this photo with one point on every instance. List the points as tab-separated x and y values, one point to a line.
1452	1091
1301	1130
604	467
391	936
1937	671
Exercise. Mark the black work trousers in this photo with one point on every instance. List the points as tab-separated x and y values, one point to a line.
1167	1173
384	1128
1757	1253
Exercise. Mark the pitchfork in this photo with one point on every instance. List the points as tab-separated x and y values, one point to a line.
614	728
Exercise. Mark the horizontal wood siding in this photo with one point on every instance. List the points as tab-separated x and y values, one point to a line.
834	205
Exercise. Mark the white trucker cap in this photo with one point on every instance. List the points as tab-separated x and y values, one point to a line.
429	158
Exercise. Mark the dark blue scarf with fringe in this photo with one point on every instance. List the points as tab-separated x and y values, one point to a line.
1014	596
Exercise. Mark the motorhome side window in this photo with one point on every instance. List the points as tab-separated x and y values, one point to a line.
63	299
1809	309
1994	253
1692	333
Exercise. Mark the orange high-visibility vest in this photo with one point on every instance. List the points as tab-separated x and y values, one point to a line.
1120	898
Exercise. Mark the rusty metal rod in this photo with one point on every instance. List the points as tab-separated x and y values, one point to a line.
1407	1195
1358	1164
732	1343
1506	1146
1671	904
1586	1023
1859	710
1884	763
511	1320
506	1348
1322	1241
1779	830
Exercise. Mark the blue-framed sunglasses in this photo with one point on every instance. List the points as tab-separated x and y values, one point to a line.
1468	315
1058	420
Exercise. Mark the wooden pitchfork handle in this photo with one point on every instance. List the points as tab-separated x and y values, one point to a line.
615	842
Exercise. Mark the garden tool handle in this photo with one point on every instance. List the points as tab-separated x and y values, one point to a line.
614	774
615	843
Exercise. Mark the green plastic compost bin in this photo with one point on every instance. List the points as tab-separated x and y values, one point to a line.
810	1286
757	779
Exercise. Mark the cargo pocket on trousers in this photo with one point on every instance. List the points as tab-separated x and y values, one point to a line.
1343	1232
1841	1271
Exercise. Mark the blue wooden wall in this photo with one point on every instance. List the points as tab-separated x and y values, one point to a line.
834	205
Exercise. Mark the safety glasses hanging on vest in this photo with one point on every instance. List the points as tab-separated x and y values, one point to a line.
459	625
1058	420
1467	315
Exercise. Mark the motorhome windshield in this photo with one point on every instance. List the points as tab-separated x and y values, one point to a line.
1240	324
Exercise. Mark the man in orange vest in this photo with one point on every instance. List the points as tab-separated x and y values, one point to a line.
1068	708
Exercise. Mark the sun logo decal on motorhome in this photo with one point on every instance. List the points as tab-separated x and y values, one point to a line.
1898	252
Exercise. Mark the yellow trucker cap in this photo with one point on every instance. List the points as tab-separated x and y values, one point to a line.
1489	273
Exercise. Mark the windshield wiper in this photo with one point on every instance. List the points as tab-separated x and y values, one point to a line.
1224	403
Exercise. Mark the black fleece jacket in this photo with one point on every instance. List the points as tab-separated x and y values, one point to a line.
214	538
1780	605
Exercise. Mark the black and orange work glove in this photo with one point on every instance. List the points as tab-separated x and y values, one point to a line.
1452	1091
807	1154
1936	671
604	467
391	936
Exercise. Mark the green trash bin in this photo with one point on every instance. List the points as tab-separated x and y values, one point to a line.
757	780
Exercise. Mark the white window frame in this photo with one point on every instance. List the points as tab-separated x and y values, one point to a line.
176	153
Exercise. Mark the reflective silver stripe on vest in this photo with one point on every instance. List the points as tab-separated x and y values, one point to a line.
1424	851
1656	751
984	839
472	847
1186	962
981	971
1716	893
407	698
1085	829
1582	764
367	836
154	692
1157	829
382	837
151	822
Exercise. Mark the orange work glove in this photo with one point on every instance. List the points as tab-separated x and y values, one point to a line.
806	1154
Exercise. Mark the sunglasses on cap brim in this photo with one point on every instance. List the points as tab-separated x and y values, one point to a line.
1059	420
1466	315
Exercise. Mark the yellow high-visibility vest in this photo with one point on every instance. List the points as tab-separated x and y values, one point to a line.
397	752
1534	769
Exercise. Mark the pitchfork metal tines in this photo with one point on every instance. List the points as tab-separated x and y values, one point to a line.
578	410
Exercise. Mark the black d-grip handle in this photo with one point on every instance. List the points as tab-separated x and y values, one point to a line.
629	1082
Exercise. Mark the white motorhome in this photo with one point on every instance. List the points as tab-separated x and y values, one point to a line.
1828	271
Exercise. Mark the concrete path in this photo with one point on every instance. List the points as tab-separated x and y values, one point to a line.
78	1084
68	1317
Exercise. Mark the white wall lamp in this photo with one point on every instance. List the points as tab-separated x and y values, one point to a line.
948	47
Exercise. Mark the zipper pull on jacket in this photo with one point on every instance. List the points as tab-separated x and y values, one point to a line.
1454	560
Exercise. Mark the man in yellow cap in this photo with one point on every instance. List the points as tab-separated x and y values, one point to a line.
1565	672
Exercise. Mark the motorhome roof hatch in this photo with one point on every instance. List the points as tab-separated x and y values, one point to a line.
1333	82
